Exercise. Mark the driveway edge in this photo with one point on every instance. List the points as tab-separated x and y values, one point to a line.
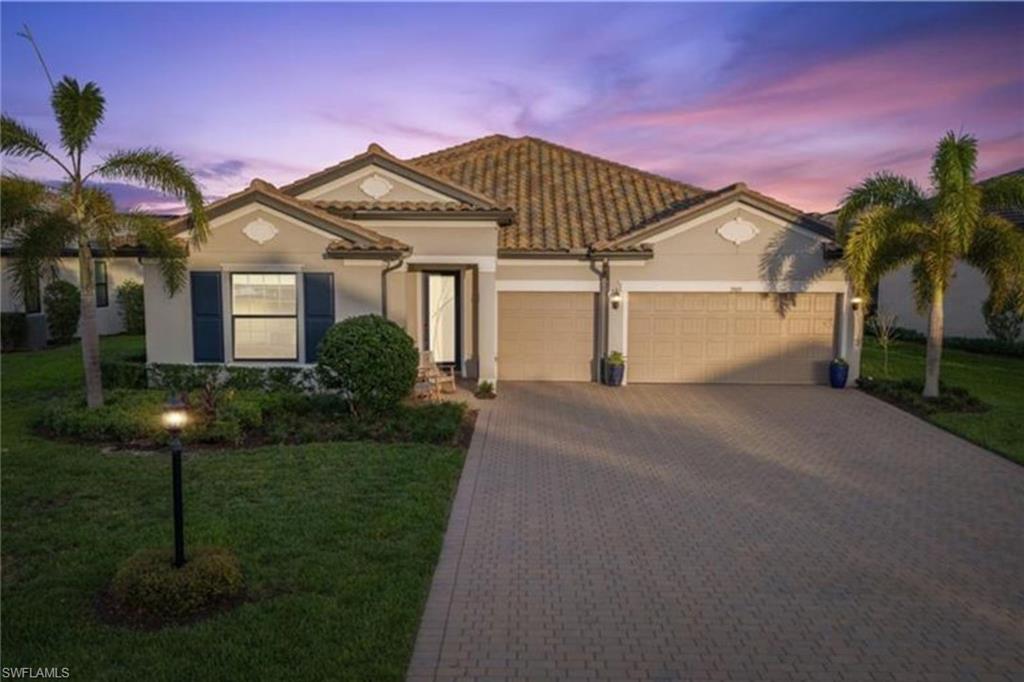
427	651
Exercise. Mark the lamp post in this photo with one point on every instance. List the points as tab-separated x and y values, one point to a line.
175	417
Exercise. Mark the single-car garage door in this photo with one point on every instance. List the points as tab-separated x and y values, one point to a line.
545	336
730	337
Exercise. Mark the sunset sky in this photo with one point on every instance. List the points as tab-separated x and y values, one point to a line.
798	100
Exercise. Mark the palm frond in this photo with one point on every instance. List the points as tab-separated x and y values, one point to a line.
20	141
79	111
957	198
102	221
954	163
997	250
37	246
163	172
1003	193
885	239
21	199
880	189
171	254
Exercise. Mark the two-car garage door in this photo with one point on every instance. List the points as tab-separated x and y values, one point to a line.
672	337
730	337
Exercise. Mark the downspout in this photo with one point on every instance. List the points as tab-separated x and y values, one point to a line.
384	284
602	314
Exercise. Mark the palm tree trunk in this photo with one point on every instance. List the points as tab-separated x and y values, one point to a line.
88	330
933	352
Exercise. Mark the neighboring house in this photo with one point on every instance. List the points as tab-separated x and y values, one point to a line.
964	299
514	259
112	270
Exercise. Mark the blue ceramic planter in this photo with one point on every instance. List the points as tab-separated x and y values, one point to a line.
838	374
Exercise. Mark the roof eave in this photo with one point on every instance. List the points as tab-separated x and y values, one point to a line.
366	254
501	217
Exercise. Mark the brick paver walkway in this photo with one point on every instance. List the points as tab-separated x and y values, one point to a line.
725	533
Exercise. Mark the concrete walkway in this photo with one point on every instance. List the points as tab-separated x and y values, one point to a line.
724	533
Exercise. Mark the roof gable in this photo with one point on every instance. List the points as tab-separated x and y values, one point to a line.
437	187
343	234
713	201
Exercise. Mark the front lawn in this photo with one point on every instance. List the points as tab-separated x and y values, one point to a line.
996	380
337	541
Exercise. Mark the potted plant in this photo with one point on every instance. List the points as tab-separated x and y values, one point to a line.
615	368
838	371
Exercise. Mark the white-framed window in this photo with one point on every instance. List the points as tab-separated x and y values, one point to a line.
264	316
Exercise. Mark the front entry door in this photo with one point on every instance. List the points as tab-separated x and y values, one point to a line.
442	317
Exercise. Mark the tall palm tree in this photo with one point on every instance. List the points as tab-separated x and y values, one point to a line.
888	222
40	222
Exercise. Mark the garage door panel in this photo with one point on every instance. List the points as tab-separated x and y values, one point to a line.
730	337
545	336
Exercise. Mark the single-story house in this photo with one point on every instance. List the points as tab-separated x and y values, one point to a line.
112	269
964	299
514	259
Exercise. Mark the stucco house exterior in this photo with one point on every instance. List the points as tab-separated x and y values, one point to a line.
514	259
964	299
112	269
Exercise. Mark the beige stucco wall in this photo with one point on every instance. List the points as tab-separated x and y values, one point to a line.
299	248
296	248
347	188
964	300
108	319
694	257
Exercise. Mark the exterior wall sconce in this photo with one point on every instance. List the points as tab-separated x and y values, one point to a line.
855	302
615	299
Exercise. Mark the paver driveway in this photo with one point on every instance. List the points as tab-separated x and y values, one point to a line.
725	532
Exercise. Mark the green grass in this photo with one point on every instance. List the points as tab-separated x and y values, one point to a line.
996	380
338	543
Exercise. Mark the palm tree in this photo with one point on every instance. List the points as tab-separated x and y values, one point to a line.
40	222
888	222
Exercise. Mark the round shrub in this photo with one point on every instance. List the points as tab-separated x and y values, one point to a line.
63	307
372	361
148	588
1006	324
131	301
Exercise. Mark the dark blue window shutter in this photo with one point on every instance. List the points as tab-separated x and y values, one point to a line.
318	293
207	318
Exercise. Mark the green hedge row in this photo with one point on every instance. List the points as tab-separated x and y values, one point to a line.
231	417
983	346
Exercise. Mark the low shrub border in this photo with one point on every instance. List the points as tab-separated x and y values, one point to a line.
230	418
906	394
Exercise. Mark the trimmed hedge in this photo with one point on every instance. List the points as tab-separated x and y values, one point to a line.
63	308
370	360
13	331
983	346
132	418
124	374
131	301
149	590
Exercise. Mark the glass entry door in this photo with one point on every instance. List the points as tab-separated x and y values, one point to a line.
442	316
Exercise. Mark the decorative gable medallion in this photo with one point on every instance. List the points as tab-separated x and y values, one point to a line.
260	231
738	231
375	186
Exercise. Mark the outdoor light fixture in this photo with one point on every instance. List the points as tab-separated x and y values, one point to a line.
615	299
175	417
856	301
